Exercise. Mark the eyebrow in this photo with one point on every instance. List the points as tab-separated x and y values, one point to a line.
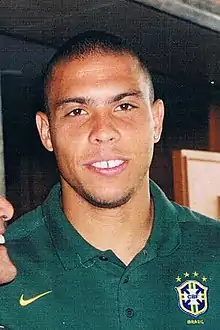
121	96
88	100
80	100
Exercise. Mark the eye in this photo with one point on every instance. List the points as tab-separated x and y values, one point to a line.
125	107
77	112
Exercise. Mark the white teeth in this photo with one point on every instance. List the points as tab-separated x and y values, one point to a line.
108	163
2	239
114	163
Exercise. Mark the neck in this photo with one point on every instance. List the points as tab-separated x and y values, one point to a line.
124	230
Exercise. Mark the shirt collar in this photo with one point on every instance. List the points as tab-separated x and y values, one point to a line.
165	236
72	249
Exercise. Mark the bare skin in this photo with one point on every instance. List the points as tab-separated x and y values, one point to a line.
7	269
100	110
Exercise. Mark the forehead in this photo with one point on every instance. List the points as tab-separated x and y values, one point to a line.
96	71
97	62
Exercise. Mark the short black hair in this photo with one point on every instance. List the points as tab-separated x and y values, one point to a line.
93	42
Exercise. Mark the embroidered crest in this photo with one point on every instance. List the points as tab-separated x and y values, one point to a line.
192	295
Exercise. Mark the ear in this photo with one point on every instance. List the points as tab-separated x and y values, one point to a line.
158	115
43	127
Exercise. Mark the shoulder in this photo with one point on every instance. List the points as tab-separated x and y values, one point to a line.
35	220
25	225
188	216
197	232
198	228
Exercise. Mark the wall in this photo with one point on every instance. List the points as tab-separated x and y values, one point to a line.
29	169
20	55
186	124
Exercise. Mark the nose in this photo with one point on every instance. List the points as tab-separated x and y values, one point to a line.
104	130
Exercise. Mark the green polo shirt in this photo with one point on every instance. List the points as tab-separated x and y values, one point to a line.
65	283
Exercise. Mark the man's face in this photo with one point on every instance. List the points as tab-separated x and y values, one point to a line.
102	127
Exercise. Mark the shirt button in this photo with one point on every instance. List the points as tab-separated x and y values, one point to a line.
126	279
103	258
129	312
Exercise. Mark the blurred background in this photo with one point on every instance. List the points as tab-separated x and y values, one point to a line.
180	41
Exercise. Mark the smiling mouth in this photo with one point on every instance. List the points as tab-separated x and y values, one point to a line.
105	164
2	239
109	167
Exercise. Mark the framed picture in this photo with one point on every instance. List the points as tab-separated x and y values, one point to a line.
197	180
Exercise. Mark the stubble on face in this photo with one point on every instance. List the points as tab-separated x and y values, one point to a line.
114	79
85	194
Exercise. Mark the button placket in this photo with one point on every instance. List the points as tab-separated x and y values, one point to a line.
103	258
126	279
126	310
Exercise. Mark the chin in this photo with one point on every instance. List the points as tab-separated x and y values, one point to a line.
107	203
103	198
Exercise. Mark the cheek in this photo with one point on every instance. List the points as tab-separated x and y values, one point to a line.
143	144
64	138
143	122
67	146
143	132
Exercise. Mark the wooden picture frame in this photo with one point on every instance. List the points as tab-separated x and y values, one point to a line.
197	180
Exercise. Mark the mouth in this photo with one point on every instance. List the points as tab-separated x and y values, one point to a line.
108	167
108	163
2	239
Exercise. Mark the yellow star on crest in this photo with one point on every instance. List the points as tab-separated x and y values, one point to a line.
178	279
186	274
204	279
196	274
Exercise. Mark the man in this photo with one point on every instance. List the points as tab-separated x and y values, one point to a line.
107	250
7	269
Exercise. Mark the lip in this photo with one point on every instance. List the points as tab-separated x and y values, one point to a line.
105	158
3	228
2	232
107	171
2	239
